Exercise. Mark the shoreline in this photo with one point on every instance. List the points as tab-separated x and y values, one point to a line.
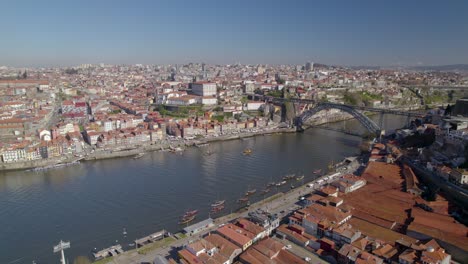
183	144
285	196
101	155
33	164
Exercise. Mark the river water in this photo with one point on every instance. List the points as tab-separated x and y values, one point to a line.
89	204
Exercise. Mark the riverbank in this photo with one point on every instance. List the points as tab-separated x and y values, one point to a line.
32	164
166	145
111	154
171	145
280	203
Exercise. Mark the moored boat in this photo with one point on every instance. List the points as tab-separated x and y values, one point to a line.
243	200
190	213
217	209
266	190
59	165
139	155
218	203
281	183
186	220
317	171
250	192
298	178
289	177
271	184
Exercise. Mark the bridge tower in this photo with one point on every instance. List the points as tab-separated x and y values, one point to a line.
381	120
408	121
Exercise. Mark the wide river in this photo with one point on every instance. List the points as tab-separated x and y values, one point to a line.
91	203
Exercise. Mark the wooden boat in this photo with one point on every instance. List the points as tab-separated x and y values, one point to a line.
218	203
281	183
331	166
289	177
298	178
266	190
190	213
243	200
186	220
138	155
250	192
217	209
247	151
317	171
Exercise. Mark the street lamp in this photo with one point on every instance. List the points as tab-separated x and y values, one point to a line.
60	247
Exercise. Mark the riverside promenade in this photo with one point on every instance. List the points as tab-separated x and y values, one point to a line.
281	203
134	150
181	143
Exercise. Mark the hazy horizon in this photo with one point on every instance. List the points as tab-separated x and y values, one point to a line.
357	33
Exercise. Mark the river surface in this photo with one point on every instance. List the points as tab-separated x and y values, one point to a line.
89	204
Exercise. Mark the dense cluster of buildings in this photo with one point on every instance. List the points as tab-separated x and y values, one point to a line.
117	104
378	217
244	240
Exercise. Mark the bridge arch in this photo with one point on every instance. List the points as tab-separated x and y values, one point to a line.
370	125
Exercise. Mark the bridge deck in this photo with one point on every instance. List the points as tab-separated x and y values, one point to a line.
311	101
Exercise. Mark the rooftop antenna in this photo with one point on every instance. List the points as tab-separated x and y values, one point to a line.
60	247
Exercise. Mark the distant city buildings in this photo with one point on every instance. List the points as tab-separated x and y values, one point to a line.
53	112
309	66
204	88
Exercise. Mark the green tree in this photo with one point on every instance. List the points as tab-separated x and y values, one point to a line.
25	75
276	93
220	118
350	98
162	110
244	100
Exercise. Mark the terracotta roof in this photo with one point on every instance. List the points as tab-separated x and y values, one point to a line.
237	234
375	231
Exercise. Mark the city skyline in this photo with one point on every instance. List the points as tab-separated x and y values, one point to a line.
271	32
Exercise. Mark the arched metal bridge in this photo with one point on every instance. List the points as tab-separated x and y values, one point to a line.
353	110
370	125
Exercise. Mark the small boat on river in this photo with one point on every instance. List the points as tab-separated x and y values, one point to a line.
190	213
243	200
217	209
186	220
139	155
247	151
289	177
218	203
281	183
250	192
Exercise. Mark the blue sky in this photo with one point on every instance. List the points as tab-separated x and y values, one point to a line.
348	32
